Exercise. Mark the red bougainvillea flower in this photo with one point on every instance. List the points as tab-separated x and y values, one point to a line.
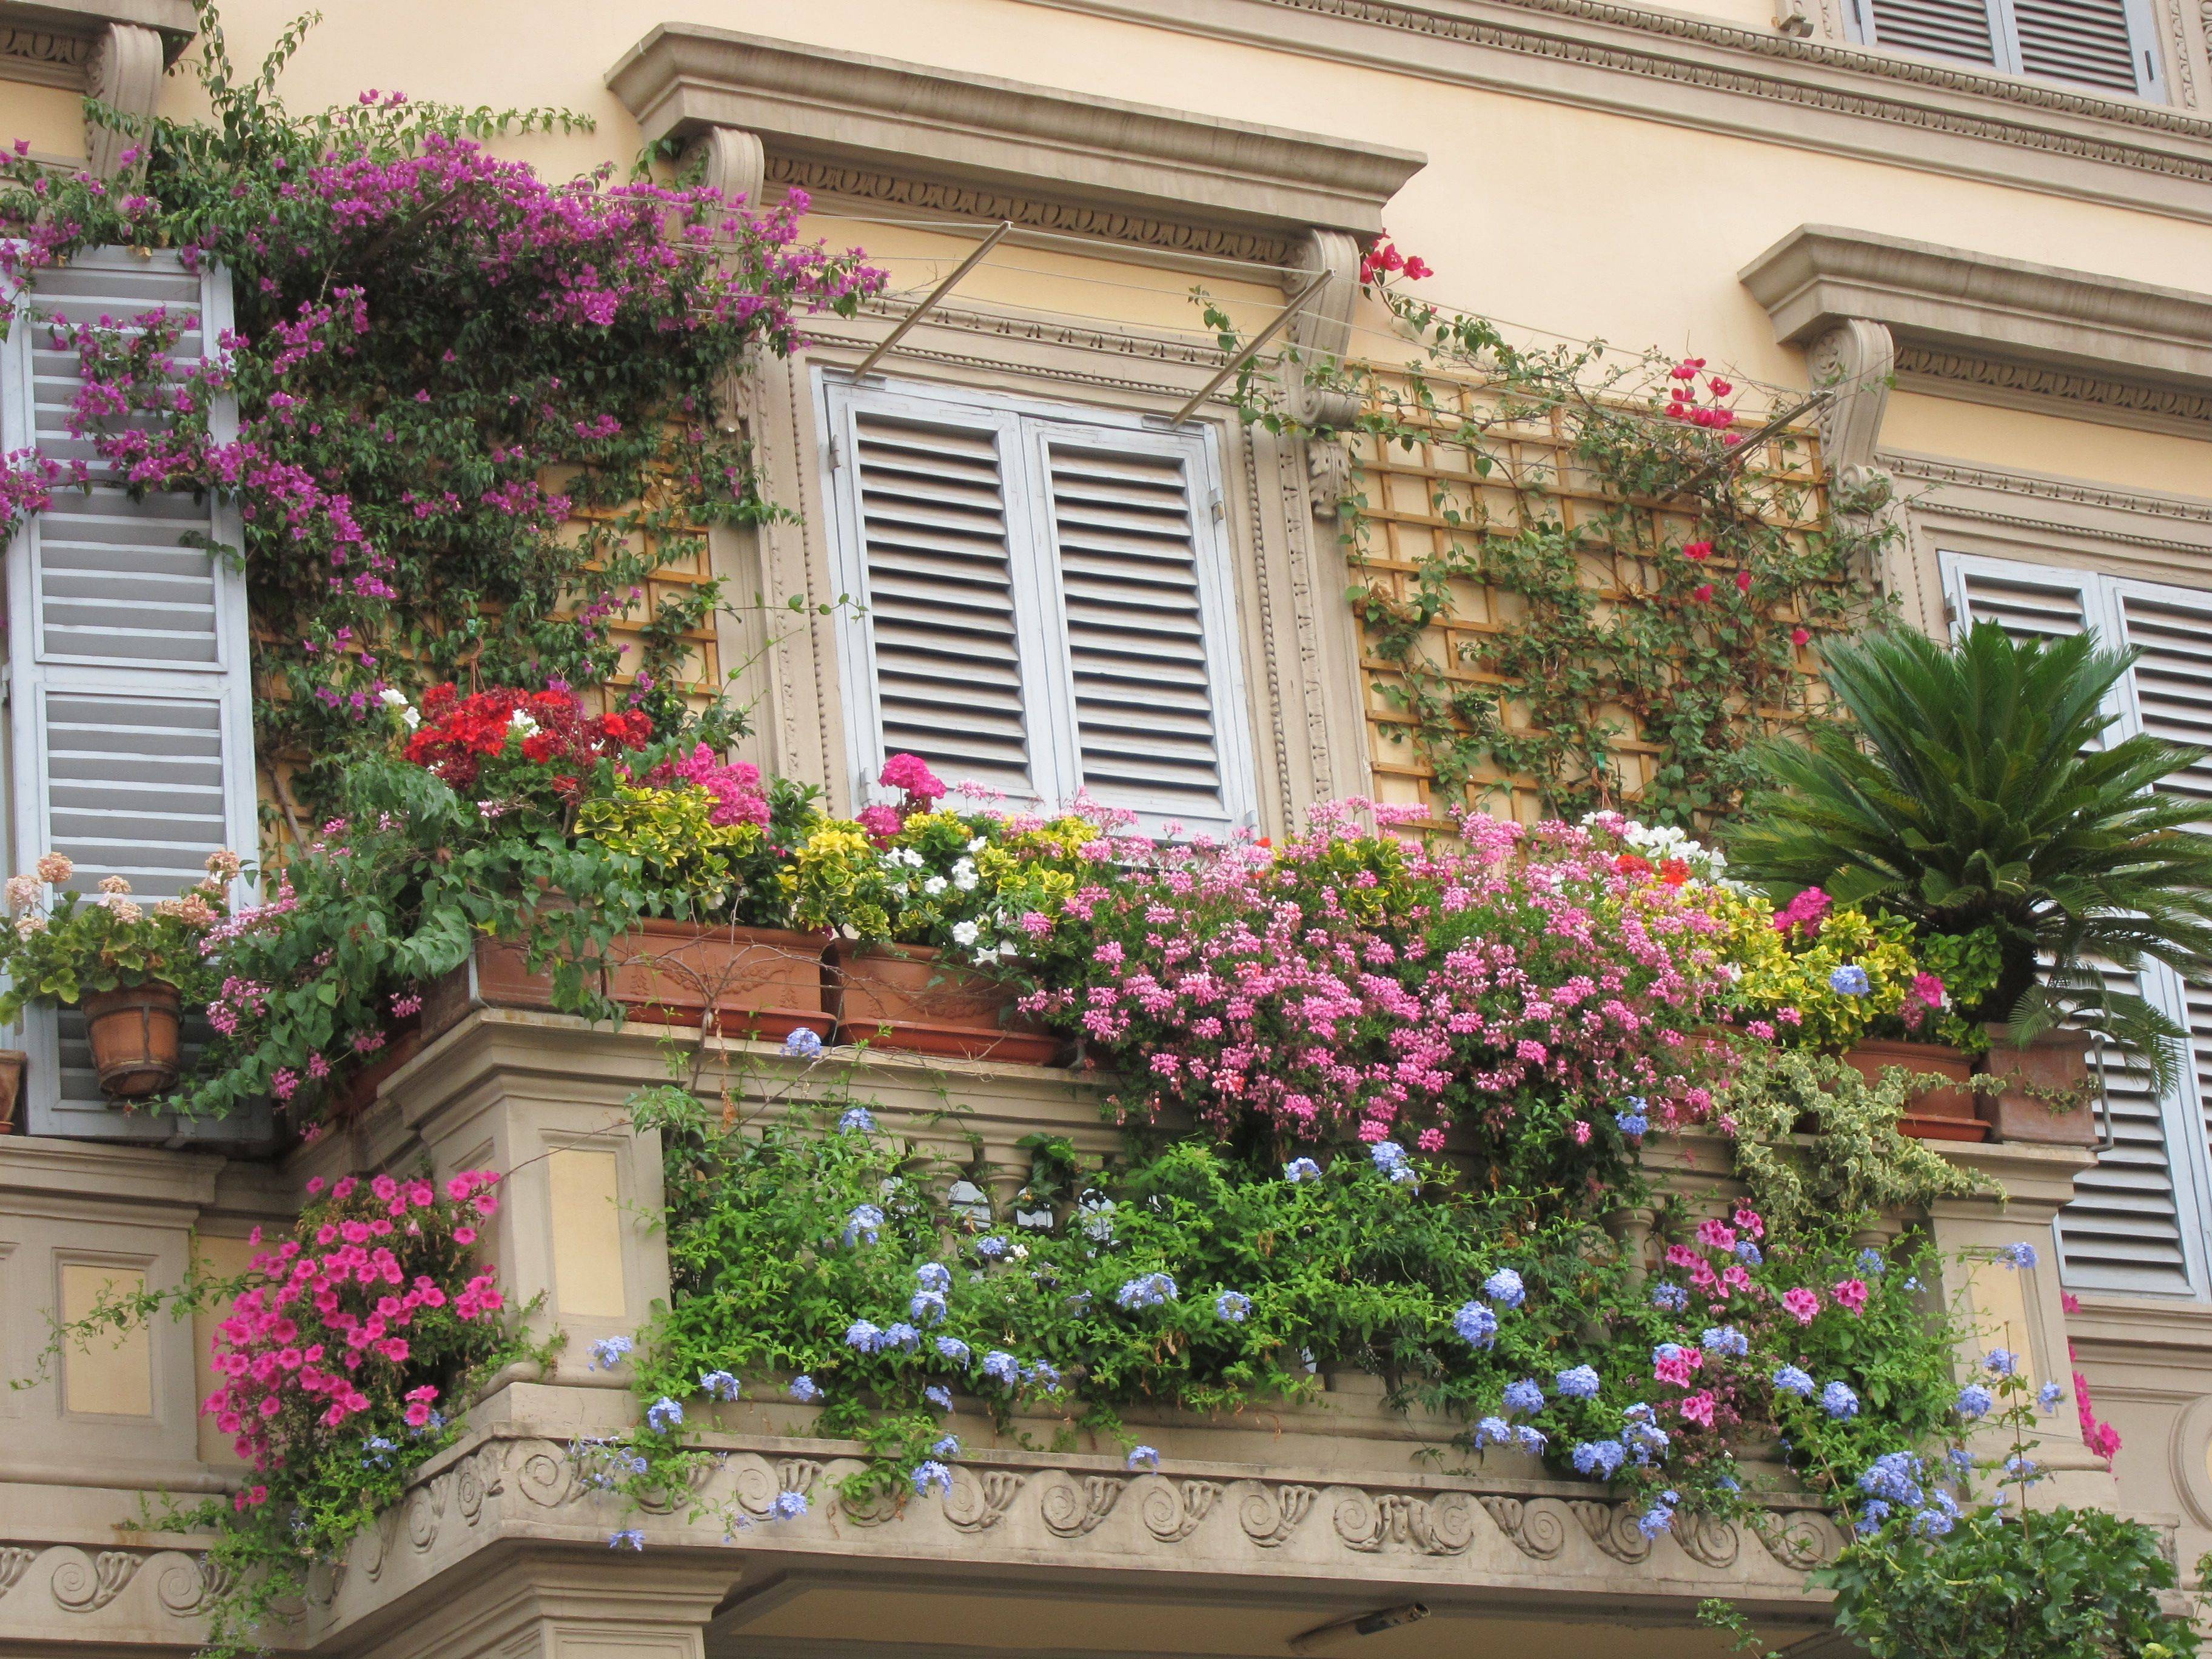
1696	550
1799	636
1743	581
1703	592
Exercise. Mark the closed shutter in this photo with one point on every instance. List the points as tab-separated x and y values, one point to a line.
1134	590
1946	28
2138	1218
129	691
1045	605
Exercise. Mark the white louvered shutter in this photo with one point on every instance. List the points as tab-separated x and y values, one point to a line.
2100	46
1046	605
2138	1218
1139	591
129	703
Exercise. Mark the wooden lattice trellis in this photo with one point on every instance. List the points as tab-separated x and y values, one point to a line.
1411	496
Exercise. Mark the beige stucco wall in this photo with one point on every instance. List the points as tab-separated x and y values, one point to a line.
51	117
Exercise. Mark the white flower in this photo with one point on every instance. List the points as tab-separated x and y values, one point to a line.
522	723
964	932
393	697
978	844
934	886
963	875
410	716
909	857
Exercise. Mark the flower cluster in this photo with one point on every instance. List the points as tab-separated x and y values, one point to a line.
522	737
57	949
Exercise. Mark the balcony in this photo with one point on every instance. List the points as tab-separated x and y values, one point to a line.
1255	1531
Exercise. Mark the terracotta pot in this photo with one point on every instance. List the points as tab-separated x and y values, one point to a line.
760	981
2054	1062
12	1062
1873	1057
136	1034
906	997
497	975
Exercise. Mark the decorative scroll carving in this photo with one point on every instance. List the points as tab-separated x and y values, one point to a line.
819	178
760	1483
1536	1528
479	1475
425	1508
86	1583
125	74
13	1560
1269	1515
1611	1528
1798	1539
1321	333
736	163
44	56
376	1543
1173	1510
1707	1537
1075	1505
549	1476
979	1499
1440	1526
188	1584
1855	359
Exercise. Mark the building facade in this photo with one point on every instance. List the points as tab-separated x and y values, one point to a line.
1983	226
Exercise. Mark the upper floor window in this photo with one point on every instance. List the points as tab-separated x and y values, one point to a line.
1045	603
2103	45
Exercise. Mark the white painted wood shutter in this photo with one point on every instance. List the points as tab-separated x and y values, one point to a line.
1046	605
130	700
2102	45
2139	1220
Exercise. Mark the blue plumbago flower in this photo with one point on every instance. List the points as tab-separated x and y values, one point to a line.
864	1335
1872	1513
803	1044
1974	1400
900	1335
857	1121
1144	1457
1840	1402
1726	1339
1636	1124
1300	1169
1529	1438
1748	1253
788	1506
1665	1352
1727	1483
949	1447
1578	1382
1660	1517
1872	1263
864	1223
990	1247
1233	1306
1670	1299
2021	1469
718	1385
939	1397
1912	1282
933	1276
805	1391
2049	1395
629	1538
1389	1155
1146	1290
929	1474
2001	1361
1788	1379
1524	1396
1961	1459
663	1414
928	1306
2021	1254
1405	1175
952	1348
1001	1367
1894	1478
1599	1458
1849	980
1476	1324
376	1452
1492	1429
610	1351
1042	1374
1641	1433
1505	1288
1940	1516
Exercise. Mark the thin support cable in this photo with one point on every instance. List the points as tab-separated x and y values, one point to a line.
1251	347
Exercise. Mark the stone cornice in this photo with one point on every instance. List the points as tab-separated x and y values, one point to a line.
51	42
877	115
1697	72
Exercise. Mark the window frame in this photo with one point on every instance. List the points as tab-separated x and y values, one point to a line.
1027	429
2146	48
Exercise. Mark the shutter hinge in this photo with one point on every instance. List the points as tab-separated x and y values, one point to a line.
836	452
1214	502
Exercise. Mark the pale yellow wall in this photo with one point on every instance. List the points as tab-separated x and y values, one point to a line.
221	1256
1556	218
2024	441
51	118
109	1374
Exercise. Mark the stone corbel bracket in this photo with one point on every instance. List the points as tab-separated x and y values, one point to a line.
115	51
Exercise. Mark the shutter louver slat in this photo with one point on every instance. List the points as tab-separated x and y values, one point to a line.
1144	700
1947	28
2173	681
2083	41
946	651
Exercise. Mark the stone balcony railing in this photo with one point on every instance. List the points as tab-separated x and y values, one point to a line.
1257	1528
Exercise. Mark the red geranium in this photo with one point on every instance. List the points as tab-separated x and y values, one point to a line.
546	728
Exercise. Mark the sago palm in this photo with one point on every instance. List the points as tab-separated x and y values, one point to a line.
1972	787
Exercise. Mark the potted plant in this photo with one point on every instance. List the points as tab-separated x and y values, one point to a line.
1971	795
717	945
120	962
936	913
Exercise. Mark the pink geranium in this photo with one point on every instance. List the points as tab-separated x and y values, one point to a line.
1801	1303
